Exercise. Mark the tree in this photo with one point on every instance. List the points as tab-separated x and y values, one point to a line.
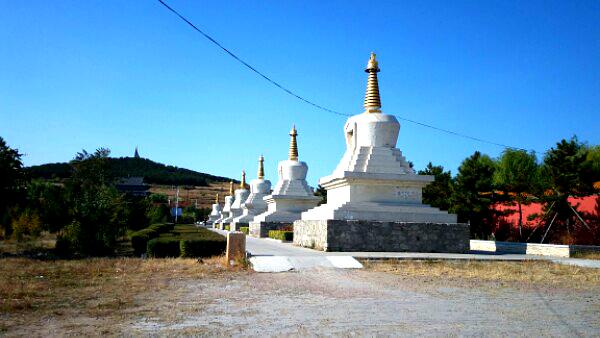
473	194
517	175
564	165
321	192
98	211
439	192
12	181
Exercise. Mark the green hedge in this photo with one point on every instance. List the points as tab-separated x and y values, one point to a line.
282	235
202	247
139	239
163	247
182	242
227	227
245	230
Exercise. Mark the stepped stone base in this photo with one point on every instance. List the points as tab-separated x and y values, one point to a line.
352	235
261	229
236	226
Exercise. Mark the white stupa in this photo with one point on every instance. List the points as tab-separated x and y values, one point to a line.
254	204
235	210
226	212
373	181
215	213
292	195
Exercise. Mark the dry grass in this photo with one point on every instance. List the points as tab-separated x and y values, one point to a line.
517	273
101	287
587	255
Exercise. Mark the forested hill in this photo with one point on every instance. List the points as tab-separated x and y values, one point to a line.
153	173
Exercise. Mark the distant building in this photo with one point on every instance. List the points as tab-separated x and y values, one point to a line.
134	186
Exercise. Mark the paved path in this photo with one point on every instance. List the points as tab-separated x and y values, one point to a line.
302	258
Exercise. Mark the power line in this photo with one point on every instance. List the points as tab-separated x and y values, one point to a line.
276	84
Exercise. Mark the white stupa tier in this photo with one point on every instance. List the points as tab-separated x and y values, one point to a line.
254	204
226	212
291	195
215	213
241	194
373	181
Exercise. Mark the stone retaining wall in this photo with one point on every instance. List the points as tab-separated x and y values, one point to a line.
556	250
337	235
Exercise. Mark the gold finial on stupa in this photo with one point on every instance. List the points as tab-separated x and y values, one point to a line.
217	198
261	168
231	188
243	182
372	99
293	155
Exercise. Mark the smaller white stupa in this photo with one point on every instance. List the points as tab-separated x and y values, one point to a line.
215	213
291	195
226	212
254	204
235	210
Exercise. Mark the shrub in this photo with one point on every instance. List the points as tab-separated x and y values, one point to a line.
199	243
281	235
227	227
245	230
27	223
139	239
202	247
163	247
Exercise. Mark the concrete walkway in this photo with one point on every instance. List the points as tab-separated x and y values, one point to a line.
273	256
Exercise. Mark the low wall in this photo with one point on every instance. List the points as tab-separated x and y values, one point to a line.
261	229
556	250
338	235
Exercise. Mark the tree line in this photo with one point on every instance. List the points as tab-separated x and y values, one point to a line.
85	209
569	169
153	173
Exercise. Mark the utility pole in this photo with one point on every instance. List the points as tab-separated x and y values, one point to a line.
176	204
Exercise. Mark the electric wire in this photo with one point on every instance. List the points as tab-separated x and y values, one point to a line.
292	93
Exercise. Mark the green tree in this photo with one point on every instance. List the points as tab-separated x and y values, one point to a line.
473	194
98	210
50	201
564	165
12	182
439	192
321	192
517	175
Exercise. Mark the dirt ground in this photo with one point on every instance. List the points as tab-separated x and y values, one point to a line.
181	297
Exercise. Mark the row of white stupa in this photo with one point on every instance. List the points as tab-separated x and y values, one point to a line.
290	197
372	182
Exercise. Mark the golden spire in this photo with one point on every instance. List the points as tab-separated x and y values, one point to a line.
372	100
261	168
230	188
243	182
217	199
293	155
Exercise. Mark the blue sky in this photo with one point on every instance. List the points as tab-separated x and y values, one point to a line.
86	74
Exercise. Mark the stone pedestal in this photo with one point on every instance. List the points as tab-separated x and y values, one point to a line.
347	235
236	247
261	229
